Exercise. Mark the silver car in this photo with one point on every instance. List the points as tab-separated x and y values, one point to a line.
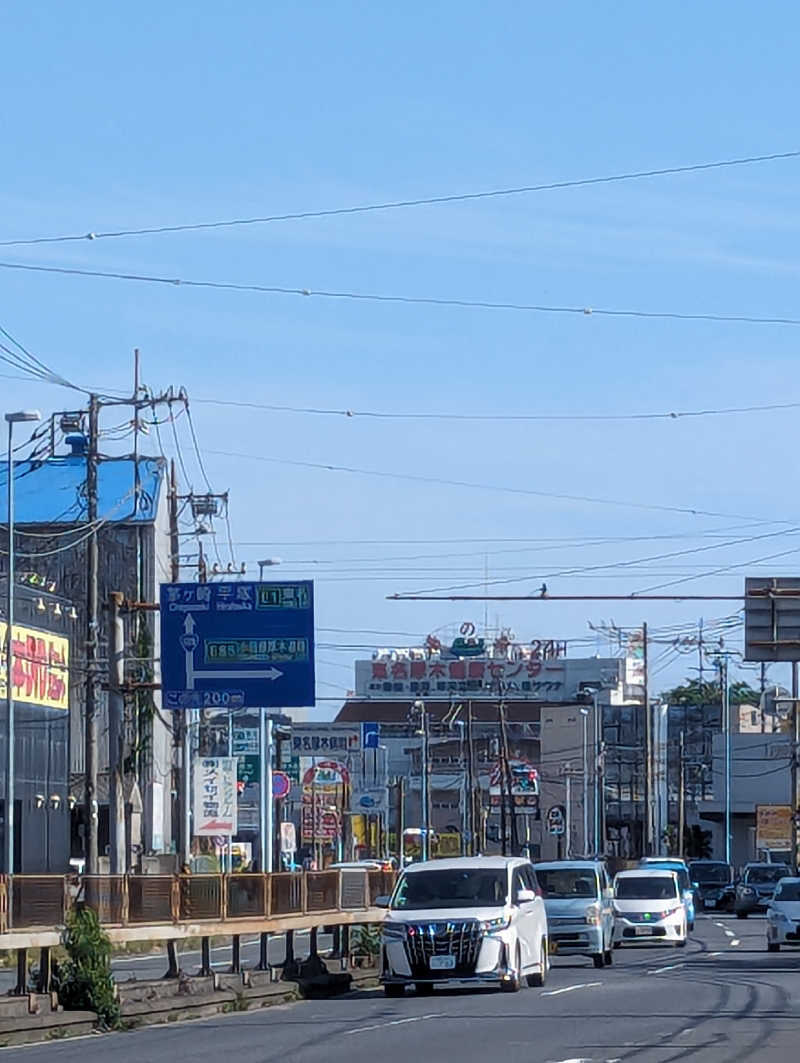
578	899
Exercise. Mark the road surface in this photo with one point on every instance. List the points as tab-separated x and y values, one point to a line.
723	999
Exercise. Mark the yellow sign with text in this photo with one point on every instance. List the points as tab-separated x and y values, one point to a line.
40	667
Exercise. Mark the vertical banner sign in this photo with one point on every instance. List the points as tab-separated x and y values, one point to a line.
215	796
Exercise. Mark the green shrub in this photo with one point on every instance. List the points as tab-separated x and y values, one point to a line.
85	982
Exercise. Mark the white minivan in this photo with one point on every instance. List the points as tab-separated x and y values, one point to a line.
648	908
474	920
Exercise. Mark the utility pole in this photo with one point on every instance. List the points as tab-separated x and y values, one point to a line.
507	775
469	775
682	795
116	715
568	810
401	819
585	787
795	773
648	753
726	729
92	640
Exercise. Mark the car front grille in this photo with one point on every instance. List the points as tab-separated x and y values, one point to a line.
460	938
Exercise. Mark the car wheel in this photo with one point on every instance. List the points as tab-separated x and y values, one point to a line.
680	944
617	944
391	989
773	946
598	959
514	983
538	979
608	957
691	928
741	915
424	989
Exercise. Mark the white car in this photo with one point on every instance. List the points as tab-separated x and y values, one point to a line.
472	921
783	915
648	908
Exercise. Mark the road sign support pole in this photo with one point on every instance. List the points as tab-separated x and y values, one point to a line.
269	809
186	788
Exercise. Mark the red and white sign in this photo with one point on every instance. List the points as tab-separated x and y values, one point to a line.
215	796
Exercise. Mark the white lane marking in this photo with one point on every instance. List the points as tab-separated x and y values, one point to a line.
669	967
156	956
729	933
735	942
575	1059
719	924
569	989
688	1030
711	955
394	1022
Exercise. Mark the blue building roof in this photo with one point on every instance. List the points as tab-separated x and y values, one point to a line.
53	491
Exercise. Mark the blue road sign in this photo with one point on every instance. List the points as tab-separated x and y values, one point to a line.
370	735
237	645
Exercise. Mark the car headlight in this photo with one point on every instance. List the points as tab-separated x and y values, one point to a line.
393	931
616	911
593	915
747	891
490	926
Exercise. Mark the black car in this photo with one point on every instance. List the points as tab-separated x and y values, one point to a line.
712	881
754	891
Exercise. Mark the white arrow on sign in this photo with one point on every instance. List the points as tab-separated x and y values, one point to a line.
190	642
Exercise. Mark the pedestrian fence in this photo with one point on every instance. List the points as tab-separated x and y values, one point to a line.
30	902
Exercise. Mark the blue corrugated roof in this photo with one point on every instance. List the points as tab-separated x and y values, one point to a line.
53	491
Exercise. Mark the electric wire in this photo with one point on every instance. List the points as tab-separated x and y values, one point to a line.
458	197
409	300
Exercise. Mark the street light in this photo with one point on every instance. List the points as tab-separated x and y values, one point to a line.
268	562
20	417
585	715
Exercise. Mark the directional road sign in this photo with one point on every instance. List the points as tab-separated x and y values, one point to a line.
370	735
237	645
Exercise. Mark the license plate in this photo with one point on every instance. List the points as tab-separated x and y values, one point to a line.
442	963
644	931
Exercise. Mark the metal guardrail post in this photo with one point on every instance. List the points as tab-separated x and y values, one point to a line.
304	893
223	897
3	905
125	902
267	895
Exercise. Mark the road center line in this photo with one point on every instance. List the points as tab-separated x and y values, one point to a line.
570	989
394	1022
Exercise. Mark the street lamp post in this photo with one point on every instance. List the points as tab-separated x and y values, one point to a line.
585	788
268	562
20	417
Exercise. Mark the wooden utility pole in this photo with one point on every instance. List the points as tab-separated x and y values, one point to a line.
92	641
469	775
795	772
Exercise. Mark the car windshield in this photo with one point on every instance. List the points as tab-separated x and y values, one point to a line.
710	874
562	882
770	873
683	875
789	891
453	888
645	888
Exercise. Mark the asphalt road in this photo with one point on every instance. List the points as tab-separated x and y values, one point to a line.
720	1000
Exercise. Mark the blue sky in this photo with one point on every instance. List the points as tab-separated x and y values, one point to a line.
117	119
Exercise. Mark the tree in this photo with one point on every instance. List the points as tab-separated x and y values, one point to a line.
85	980
693	692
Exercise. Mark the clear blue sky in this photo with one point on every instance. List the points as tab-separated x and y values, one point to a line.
153	115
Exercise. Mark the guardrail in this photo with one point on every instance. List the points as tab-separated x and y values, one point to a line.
36	902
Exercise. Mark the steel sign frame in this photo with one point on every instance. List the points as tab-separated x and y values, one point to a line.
235	645
772	619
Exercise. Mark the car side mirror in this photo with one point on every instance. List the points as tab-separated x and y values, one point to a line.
382	901
525	896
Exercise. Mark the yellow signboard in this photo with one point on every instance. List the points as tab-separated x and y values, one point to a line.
40	667
774	827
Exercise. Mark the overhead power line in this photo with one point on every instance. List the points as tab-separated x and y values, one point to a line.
402	204
409	300
666	415
443	482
